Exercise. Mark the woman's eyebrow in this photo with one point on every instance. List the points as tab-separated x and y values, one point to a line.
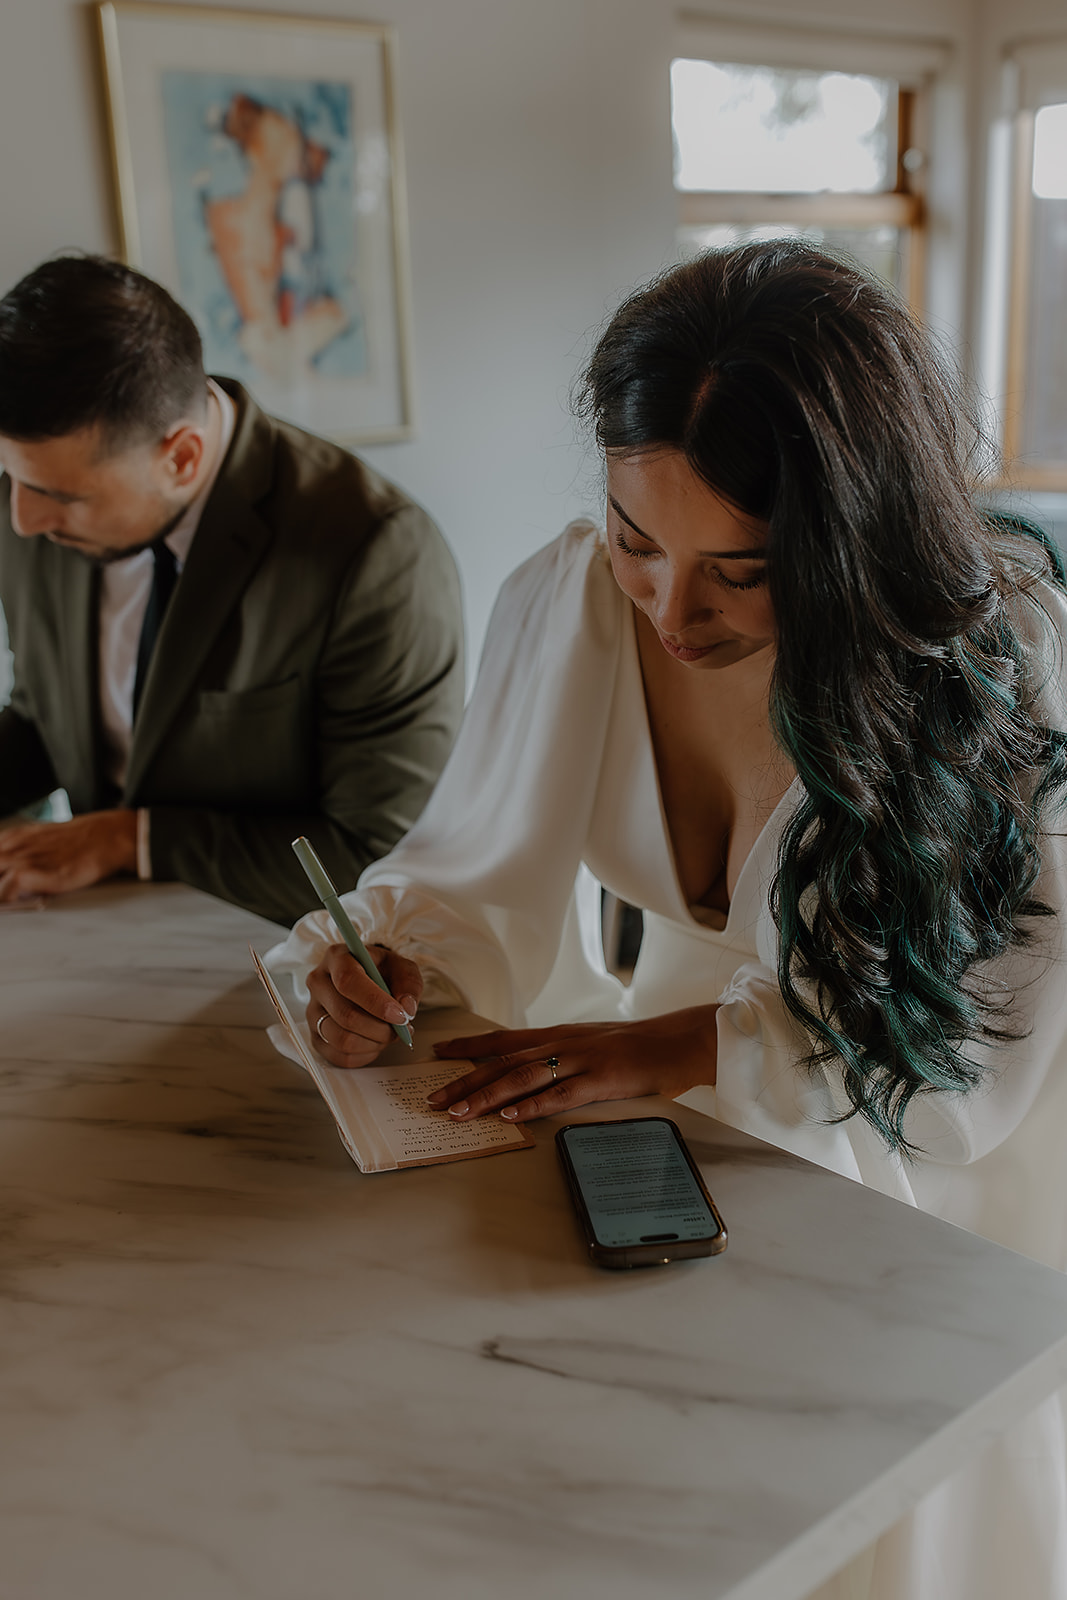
629	521
716	555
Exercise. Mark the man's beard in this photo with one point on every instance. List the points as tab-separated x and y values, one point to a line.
107	557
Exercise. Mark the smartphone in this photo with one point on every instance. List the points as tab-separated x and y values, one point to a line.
638	1193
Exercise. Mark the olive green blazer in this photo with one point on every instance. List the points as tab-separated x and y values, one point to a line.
307	678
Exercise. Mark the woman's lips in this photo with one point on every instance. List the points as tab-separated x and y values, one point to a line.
682	652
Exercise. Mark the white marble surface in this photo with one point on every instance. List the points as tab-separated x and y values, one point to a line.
232	1368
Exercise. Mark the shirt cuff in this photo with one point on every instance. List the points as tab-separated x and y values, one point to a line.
144	843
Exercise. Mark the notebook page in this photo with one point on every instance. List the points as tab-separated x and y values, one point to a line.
396	1100
339	1089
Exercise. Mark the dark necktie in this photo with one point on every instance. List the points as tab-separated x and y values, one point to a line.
164	577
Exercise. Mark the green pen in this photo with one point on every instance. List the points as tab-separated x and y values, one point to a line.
304	851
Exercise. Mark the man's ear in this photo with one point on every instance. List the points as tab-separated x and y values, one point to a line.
182	451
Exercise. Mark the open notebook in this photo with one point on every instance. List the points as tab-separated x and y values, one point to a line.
381	1111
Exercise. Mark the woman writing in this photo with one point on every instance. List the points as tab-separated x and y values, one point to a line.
805	707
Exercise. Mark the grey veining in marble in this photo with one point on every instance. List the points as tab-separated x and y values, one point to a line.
233	1368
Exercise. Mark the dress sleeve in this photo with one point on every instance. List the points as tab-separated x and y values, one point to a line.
761	1084
478	891
764	1087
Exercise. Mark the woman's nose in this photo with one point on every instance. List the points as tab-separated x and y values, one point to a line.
681	604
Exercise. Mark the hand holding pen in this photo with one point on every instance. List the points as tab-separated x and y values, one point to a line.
352	1012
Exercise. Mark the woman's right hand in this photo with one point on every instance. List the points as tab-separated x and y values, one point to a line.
350	1018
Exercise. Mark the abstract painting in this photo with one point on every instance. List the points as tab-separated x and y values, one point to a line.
263	190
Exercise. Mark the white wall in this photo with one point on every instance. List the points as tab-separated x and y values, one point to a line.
538	161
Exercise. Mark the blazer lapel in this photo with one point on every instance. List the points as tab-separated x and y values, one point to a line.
228	547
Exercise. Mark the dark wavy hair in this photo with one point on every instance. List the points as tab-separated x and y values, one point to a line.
803	393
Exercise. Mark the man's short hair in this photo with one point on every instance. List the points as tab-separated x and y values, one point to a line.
86	341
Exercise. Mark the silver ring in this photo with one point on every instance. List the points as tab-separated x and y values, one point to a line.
318	1027
552	1063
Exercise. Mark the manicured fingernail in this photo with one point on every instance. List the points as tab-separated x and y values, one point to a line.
438	1097
408	1005
460	1110
396	1015
511	1112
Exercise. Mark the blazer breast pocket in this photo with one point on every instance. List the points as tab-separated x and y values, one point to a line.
253	746
239	704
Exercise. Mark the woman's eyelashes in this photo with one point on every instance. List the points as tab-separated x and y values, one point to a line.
628	549
748	583
755	582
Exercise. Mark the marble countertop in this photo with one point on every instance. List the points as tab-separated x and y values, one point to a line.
234	1368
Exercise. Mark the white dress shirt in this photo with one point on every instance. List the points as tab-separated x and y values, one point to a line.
124	590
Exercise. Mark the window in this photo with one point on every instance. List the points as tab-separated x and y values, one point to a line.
1031	321
802	134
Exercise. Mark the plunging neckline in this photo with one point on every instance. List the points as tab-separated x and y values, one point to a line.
788	799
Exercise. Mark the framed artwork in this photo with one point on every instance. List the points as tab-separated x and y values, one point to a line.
258	170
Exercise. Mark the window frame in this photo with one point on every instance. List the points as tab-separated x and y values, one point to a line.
1032	71
912	65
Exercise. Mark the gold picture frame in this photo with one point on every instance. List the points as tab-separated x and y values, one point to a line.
265	190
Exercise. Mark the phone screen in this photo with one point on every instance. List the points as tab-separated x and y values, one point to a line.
637	1184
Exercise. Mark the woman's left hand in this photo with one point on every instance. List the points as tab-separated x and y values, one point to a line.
537	1072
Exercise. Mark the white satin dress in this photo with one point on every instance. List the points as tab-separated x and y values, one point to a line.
551	790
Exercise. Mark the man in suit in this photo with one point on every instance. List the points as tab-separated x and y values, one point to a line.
226	632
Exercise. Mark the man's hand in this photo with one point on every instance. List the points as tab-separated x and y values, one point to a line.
55	857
